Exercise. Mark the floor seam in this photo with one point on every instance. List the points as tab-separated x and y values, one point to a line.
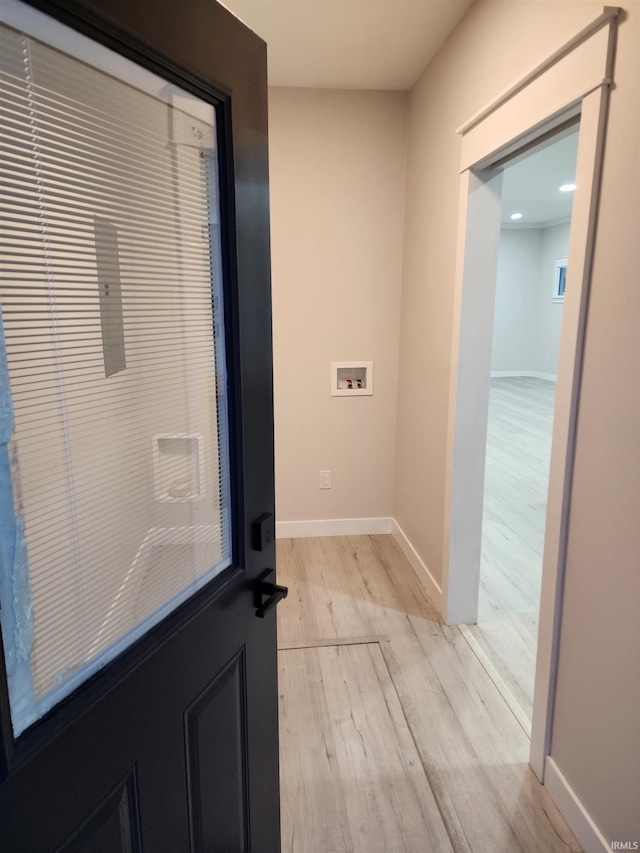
332	641
425	769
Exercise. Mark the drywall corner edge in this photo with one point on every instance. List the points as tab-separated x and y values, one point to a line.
433	589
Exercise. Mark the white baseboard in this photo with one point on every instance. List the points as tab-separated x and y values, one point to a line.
332	527
580	822
434	590
507	374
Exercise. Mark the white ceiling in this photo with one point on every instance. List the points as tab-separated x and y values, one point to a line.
530	187
349	44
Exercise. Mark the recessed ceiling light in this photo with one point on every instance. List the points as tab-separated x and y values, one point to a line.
516	216
567	188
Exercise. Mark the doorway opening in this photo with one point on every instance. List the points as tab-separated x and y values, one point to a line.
533	247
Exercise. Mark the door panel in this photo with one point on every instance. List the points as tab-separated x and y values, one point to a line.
216	736
173	745
112	826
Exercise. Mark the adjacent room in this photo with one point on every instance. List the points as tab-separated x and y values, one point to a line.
537	194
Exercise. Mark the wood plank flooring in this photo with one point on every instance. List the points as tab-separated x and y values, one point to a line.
349	752
393	737
515	499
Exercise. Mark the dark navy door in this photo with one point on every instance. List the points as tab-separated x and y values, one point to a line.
138	694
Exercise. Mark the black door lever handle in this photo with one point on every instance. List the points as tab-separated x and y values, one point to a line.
274	592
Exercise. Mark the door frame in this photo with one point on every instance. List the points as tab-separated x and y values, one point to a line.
574	80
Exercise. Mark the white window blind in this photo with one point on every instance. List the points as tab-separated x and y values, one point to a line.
115	463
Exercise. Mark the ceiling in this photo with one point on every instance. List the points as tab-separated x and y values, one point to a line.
349	44
530	187
386	44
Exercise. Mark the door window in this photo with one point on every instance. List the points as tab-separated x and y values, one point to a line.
114	458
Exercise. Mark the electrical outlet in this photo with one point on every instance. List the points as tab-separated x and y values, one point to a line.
325	479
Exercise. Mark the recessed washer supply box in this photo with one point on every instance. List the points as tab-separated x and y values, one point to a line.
178	467
351	378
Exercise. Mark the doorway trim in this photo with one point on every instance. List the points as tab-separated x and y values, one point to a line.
573	81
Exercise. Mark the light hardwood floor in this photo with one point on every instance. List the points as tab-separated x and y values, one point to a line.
393	737
515	498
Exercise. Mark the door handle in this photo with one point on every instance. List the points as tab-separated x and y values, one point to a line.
274	592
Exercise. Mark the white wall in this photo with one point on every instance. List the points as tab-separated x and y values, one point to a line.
596	741
555	244
527	322
517	280
337	163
